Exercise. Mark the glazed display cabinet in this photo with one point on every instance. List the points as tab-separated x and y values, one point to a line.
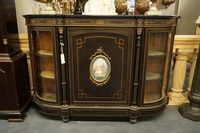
100	66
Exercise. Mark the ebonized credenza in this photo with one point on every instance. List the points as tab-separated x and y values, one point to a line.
100	66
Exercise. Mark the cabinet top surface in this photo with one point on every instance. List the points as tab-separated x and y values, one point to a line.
101	20
100	16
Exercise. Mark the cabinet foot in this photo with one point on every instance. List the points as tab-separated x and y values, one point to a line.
16	118
133	120
65	119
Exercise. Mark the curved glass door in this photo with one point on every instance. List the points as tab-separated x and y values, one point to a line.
43	60
157	48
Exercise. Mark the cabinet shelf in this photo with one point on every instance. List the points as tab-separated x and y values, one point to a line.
51	97
45	52
151	97
155	53
47	74
152	76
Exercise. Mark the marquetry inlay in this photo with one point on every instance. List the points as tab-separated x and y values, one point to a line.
99	22
60	21
158	22
140	22
42	21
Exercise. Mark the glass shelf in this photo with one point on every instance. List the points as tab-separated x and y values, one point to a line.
46	88
45	52
151	97
47	74
155	53
51	97
152	76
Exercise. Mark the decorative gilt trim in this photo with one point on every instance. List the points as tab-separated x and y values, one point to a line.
60	29
158	22
60	21
99	51
139	31
42	21
70	21
140	22
99	84
100	22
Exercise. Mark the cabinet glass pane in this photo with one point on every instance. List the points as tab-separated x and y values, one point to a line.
44	65
156	53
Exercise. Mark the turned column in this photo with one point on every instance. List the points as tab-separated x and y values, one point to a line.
176	96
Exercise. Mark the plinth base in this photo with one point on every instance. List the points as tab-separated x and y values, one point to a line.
177	98
189	112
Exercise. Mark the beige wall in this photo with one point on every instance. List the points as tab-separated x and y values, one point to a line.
189	10
24	7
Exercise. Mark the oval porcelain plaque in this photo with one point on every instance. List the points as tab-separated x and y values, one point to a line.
100	68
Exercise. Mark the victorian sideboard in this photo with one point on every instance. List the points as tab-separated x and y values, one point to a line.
100	66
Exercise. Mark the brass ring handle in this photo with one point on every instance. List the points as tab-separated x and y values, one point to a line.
2	71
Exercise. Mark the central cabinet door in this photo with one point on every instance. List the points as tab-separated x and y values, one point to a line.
100	65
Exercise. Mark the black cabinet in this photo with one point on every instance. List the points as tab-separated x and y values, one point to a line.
101	66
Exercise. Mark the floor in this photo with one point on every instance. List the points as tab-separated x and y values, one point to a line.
170	121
